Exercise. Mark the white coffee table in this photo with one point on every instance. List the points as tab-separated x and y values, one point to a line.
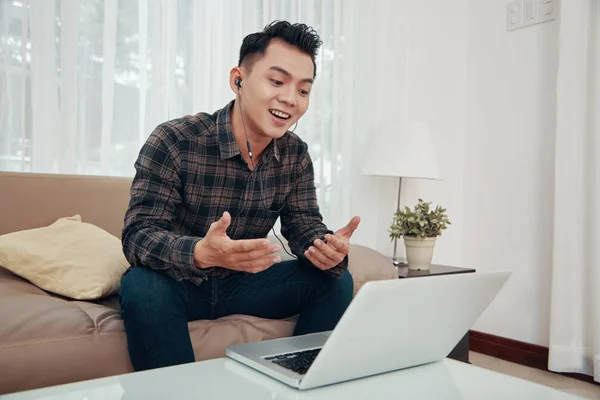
226	379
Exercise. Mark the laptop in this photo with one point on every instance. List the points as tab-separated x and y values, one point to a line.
430	381
389	325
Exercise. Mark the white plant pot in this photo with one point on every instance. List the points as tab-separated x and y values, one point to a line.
419	252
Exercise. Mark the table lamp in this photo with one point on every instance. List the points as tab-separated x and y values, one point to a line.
401	150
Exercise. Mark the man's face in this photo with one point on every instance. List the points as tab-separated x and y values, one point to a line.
275	94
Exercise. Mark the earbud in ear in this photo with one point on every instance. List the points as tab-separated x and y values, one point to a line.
238	83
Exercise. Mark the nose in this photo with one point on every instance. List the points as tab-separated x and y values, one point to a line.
288	96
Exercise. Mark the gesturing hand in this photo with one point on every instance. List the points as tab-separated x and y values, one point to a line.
217	249
328	255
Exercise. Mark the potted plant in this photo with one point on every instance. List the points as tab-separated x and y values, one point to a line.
420	228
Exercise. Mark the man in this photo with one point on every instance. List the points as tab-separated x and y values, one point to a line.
207	191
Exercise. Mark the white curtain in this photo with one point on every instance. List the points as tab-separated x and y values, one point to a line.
84	82
575	303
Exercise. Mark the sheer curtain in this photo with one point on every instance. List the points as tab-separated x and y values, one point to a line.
575	301
84	82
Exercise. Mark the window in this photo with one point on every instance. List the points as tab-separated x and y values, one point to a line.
84	83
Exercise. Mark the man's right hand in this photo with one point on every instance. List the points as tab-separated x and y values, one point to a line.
217	249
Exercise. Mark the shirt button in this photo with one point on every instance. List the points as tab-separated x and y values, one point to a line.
243	214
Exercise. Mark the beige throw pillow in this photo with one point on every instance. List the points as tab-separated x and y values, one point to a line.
70	258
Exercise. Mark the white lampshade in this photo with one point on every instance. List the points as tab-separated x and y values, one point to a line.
402	149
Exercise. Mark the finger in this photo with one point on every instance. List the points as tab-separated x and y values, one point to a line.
329	251
258	265
319	259
245	245
256	254
314	260
354	223
349	229
342	245
220	226
225	221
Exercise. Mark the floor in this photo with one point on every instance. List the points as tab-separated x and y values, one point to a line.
570	385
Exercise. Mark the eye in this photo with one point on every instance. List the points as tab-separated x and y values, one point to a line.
304	92
276	82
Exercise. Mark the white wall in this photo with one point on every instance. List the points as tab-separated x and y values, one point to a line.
509	171
489	96
429	39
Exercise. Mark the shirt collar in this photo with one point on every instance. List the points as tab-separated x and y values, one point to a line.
228	146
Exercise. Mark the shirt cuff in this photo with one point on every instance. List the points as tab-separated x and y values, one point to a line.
182	252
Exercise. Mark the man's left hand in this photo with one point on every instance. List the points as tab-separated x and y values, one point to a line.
327	255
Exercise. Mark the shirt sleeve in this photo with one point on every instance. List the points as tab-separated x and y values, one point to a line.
147	236
301	220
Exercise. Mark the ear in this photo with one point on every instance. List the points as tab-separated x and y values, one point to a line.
234	74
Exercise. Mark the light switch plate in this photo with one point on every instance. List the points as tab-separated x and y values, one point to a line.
524	13
548	10
514	15
530	12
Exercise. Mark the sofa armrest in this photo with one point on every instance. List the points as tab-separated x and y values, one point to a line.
366	264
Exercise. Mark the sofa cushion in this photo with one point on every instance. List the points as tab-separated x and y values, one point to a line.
69	257
366	264
46	339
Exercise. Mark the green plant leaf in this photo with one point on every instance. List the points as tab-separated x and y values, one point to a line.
420	221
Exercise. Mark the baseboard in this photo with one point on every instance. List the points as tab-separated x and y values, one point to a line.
530	355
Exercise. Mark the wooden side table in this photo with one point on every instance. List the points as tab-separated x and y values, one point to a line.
461	351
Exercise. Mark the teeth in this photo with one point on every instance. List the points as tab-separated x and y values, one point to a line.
279	114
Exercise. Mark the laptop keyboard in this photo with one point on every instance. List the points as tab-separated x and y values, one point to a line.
299	361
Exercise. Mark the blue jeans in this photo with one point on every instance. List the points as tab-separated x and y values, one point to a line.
156	308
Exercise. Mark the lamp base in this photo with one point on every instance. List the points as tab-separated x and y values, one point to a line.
395	260
399	263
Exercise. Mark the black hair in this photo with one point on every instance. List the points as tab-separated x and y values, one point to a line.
300	36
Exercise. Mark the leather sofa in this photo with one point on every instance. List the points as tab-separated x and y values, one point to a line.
47	339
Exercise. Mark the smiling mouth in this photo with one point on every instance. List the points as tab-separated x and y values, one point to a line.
279	114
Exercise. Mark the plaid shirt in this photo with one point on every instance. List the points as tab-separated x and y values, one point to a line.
190	170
